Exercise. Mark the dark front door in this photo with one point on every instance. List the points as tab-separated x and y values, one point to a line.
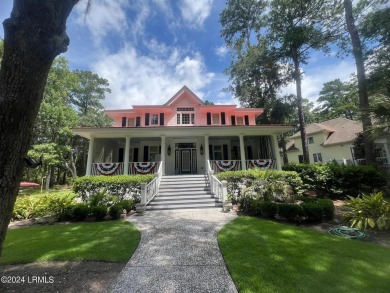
185	157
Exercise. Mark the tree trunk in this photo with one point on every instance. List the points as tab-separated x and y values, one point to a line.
283	143
301	118
33	36
362	84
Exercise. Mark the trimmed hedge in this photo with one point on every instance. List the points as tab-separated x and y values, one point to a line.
264	183
339	181
120	186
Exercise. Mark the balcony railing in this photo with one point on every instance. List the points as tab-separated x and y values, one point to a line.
134	168
235	165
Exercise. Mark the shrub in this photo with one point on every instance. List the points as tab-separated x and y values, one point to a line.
327	209
120	186
338	181
35	206
116	211
102	198
99	212
127	204
290	211
80	211
313	212
262	184
368	211
268	209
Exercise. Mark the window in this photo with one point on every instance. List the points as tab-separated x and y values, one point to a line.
310	140
154	153
185	118
317	157
216	118
240	120
131	122
217	152
185	109
300	158
154	119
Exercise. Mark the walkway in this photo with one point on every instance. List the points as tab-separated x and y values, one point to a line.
178	252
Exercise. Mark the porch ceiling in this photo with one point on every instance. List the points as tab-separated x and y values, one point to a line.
181	131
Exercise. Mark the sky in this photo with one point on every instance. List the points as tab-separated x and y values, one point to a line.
150	49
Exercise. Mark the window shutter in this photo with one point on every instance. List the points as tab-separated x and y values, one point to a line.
249	152
120	155
135	155
208	118
147	119
233	120
223	118
246	120
124	121
146	153
162	119
225	152
137	121
211	152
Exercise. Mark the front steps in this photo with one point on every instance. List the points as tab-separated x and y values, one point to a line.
183	192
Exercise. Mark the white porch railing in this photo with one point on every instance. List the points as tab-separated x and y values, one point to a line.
218	188
235	165
118	168
150	190
382	161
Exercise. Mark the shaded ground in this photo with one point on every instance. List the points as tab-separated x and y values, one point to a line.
82	277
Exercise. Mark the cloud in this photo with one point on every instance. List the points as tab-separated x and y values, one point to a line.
149	79
221	51
315	78
105	16
195	13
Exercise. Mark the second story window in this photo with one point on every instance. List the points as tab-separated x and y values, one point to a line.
216	118
154	120
240	120
310	140
185	116
131	122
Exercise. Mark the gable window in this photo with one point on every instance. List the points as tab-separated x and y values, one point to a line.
185	109
131	122
310	140
216	118
240	120
154	120
317	157
185	118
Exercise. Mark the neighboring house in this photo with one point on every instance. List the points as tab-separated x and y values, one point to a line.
333	140
183	136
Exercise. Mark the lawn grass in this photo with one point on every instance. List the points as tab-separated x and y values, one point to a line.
99	241
264	256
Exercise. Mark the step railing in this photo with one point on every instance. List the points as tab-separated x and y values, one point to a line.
218	188
150	190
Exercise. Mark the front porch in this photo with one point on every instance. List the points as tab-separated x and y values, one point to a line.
181	155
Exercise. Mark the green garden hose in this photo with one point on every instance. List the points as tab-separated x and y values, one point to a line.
347	232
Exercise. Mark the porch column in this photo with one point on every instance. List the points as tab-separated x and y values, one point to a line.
90	155
276	152
127	157
242	152
206	152
163	151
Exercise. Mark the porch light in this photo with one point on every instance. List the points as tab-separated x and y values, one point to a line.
169	150
201	150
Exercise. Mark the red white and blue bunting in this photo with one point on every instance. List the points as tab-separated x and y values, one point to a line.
262	164
107	168
144	167
226	165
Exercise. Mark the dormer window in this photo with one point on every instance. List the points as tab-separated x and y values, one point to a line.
184	116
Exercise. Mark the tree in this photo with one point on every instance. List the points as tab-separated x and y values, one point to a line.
357	50
33	36
337	98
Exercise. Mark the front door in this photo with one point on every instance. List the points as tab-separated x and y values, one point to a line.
185	157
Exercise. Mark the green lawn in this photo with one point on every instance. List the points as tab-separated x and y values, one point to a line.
264	256
98	241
